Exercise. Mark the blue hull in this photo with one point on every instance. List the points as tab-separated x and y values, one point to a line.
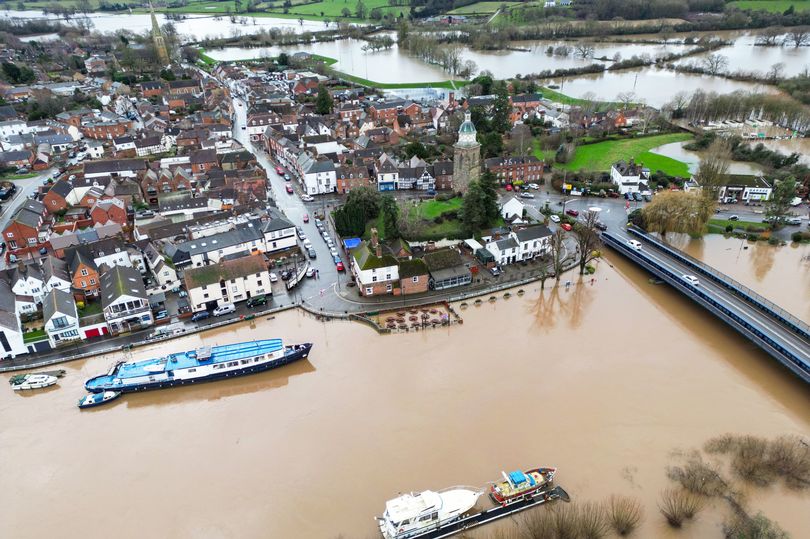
289	357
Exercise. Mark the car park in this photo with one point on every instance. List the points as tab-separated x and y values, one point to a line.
691	279
566	227
225	308
635	244
572	213
555	218
273	278
526	194
202	315
255	301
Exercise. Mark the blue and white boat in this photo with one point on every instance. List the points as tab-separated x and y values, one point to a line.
204	364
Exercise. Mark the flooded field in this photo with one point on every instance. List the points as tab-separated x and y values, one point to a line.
604	381
675	150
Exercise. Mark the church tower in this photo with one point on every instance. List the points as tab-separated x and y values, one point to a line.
157	39
466	156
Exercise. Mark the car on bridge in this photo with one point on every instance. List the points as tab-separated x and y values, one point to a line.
691	279
635	244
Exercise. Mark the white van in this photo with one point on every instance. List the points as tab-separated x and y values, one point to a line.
635	244
225	308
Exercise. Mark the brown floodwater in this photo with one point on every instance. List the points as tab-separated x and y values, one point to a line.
608	382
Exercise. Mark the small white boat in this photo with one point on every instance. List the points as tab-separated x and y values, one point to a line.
97	399
31	381
416	513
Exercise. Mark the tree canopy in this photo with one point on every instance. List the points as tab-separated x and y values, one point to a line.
778	207
677	211
324	101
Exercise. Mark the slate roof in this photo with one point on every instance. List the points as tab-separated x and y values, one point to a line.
276	222
8	310
533	233
114	165
120	281
58	302
226	270
243	234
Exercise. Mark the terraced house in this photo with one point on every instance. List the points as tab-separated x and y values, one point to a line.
230	281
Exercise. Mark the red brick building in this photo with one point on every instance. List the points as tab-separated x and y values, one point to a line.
387	112
509	170
55	199
413	277
111	209
106	129
22	230
203	160
349	177
183	87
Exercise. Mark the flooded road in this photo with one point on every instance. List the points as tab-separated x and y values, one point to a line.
605	382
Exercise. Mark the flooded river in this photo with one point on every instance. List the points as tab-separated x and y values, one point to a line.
603	381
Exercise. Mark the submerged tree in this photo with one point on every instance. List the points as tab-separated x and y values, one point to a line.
676	211
587	239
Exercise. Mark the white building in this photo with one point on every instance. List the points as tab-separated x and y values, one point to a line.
279	233
124	300
245	239
512	209
61	318
506	250
374	272
95	149
532	242
627	177
230	281
318	176
26	280
55	274
11	337
165	275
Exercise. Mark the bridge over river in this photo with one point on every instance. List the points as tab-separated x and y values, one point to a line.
782	335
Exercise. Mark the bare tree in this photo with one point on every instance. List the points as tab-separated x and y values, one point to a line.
557	252
713	171
626	99
587	239
798	36
776	73
584	50
715	63
589	104
770	36
678	103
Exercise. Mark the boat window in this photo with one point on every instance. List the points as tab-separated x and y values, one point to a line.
192	370
245	361
426	517
435	515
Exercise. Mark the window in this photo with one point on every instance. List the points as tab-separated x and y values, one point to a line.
416	278
374	279
84	272
369	290
84	284
205	295
192	370
388	287
92	282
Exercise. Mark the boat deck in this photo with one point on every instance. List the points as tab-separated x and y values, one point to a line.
190	359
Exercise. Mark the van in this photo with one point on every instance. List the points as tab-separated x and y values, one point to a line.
225	308
257	300
635	244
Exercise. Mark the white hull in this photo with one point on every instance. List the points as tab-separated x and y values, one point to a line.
35	382
405	516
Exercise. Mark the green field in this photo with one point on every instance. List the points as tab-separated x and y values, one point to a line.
774	6
481	7
602	155
434	208
718	226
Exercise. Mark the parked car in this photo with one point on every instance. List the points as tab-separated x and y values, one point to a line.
225	308
144	214
600	225
257	300
311	253
555	218
637	197
307	245
566	227
526	194
534	186
733	217
289	189
202	315
691	279
285	275
244	127
793	220
300	232
613	194
339	266
495	271
508	186
336	259
287	177
279	170
635	244
273	278
431	192
183	293
333	251
307	198
572	213
311	273
306	217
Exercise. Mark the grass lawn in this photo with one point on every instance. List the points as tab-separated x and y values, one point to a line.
13	177
427	211
545	155
434	208
34	336
774	6
480	7
602	155
90	309
718	226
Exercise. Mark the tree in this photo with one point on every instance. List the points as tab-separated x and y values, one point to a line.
390	215
713	171
362	205
626	99
501	108
676	211
491	144
557	252
360	10
587	239
776	73
402	31
778	207
283	59
417	149
473	212
324	101
715	63
584	50
345	13
485	81
770	36
799	36
376	14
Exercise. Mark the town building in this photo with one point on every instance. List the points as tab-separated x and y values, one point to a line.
230	281
515	170
61	318
375	273
124	301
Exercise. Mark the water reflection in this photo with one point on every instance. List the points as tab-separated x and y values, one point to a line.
762	259
568	300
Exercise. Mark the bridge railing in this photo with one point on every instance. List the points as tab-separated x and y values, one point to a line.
743	324
763	304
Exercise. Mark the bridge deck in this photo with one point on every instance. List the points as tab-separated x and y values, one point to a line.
781	336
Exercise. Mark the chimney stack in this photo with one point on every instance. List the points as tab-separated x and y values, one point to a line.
375	242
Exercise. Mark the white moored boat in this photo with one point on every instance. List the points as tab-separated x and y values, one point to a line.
31	381
416	513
